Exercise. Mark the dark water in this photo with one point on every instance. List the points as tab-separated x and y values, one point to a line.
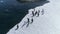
12	12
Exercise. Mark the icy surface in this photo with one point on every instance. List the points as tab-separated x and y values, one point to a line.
49	23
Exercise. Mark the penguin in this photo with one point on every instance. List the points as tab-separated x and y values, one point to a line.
31	20
38	13
28	21
32	13
42	12
17	27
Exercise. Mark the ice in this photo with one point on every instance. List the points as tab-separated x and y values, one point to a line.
49	23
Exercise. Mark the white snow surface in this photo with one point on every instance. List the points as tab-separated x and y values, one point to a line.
49	23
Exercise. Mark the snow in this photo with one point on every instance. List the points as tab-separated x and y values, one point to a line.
49	23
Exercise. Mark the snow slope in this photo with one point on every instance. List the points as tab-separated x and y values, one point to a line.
49	23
